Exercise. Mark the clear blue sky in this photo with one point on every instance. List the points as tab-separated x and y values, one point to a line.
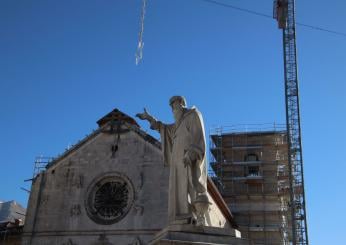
64	64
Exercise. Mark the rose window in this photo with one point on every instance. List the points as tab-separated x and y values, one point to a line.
109	198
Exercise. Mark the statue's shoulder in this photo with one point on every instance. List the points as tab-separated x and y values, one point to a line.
193	111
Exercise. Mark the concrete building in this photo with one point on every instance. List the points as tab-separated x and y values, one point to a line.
251	171
12	216
110	188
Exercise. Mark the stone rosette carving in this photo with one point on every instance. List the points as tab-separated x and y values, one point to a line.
109	198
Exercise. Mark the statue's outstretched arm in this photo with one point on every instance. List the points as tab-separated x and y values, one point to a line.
154	124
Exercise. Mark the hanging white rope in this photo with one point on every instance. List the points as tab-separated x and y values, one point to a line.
139	52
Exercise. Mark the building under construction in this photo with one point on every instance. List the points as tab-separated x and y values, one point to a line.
251	170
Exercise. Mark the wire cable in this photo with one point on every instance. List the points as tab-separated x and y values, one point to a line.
238	8
321	29
270	17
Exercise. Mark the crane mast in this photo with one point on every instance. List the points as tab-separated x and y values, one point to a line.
284	12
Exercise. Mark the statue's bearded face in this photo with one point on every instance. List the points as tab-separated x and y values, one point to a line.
177	110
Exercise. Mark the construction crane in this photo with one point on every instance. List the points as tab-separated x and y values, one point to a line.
284	12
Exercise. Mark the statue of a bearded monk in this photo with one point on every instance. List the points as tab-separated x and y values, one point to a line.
184	150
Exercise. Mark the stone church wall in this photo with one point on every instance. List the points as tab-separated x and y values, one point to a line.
58	205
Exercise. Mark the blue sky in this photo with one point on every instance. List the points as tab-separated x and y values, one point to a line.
64	64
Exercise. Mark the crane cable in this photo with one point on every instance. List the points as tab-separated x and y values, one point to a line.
139	51
268	16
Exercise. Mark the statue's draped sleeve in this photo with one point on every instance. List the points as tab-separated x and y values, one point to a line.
166	134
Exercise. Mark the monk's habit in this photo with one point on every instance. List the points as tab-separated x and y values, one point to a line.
184	138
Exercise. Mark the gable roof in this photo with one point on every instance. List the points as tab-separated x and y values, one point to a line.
115	118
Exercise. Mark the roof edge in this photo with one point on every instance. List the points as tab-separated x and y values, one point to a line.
220	202
147	137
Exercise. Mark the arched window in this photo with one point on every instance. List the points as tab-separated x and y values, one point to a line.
252	157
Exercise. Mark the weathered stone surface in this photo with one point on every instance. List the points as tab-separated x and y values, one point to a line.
57	206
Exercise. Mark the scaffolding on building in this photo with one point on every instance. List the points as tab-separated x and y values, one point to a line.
40	164
249	164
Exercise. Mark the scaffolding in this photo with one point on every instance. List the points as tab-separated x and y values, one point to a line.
249	164
40	164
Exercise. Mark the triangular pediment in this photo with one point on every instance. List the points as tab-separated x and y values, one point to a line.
117	116
115	122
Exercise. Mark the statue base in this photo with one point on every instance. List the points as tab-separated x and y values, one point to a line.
188	234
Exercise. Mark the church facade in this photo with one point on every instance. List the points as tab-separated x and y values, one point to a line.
111	188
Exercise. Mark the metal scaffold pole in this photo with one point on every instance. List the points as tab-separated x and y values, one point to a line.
285	14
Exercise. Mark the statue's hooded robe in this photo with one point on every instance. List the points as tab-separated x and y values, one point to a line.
184	138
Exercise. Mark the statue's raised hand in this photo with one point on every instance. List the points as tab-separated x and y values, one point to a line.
144	116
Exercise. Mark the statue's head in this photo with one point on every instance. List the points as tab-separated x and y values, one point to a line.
178	104
179	99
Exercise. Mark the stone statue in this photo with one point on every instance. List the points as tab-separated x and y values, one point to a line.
184	150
